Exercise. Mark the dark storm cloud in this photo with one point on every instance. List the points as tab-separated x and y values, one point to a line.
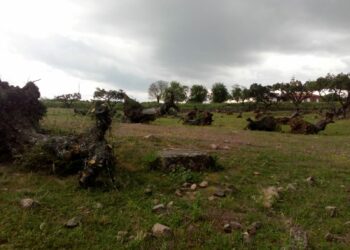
196	39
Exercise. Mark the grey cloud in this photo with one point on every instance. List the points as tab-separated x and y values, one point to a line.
198	36
197	39
79	59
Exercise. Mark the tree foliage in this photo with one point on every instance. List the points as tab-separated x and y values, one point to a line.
176	91
198	94
219	93
68	99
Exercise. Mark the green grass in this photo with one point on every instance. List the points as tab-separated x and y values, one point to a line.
279	158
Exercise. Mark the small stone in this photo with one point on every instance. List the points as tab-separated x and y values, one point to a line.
155	201
332	210
347	223
186	185
214	146
333	237
220	193
256	173
28	203
252	229
178	193
159	230
42	226
121	235
270	196
227	228
291	187
148	191
247	237
74	222
98	205
193	187
299	238
170	204
149	137
158	208
236	225
226	147
311	180
211	198
226	141
203	184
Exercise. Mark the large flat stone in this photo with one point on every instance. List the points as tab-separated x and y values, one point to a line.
171	160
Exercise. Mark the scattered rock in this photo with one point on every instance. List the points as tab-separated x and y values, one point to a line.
159	230
122	236
253	228
256	173
74	222
291	187
311	180
203	184
158	208
186	185
220	193
170	204
178	193
247	237
227	228
148	191
270	195
225	147
98	205
171	160
155	201
347	223
193	187
236	225
42	226
149	137
299	238
211	198
214	146
28	203
333	237
332	210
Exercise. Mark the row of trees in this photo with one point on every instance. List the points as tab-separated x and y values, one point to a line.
331	88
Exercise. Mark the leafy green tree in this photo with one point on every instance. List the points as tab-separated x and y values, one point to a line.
339	86
262	94
157	89
296	92
219	93
177	91
198	94
68	99
236	93
108	96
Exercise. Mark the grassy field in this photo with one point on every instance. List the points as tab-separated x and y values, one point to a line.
252	161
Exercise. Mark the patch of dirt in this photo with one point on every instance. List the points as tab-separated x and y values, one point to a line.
205	135
219	217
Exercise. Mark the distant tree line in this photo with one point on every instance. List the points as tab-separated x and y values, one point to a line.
333	89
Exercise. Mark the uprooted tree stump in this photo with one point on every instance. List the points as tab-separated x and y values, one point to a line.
172	160
300	126
266	123
199	118
88	153
20	112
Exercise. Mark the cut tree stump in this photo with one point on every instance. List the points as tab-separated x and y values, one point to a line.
171	160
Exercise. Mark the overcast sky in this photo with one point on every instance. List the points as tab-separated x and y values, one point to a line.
128	44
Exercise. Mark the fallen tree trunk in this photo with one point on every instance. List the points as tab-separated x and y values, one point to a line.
88	154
